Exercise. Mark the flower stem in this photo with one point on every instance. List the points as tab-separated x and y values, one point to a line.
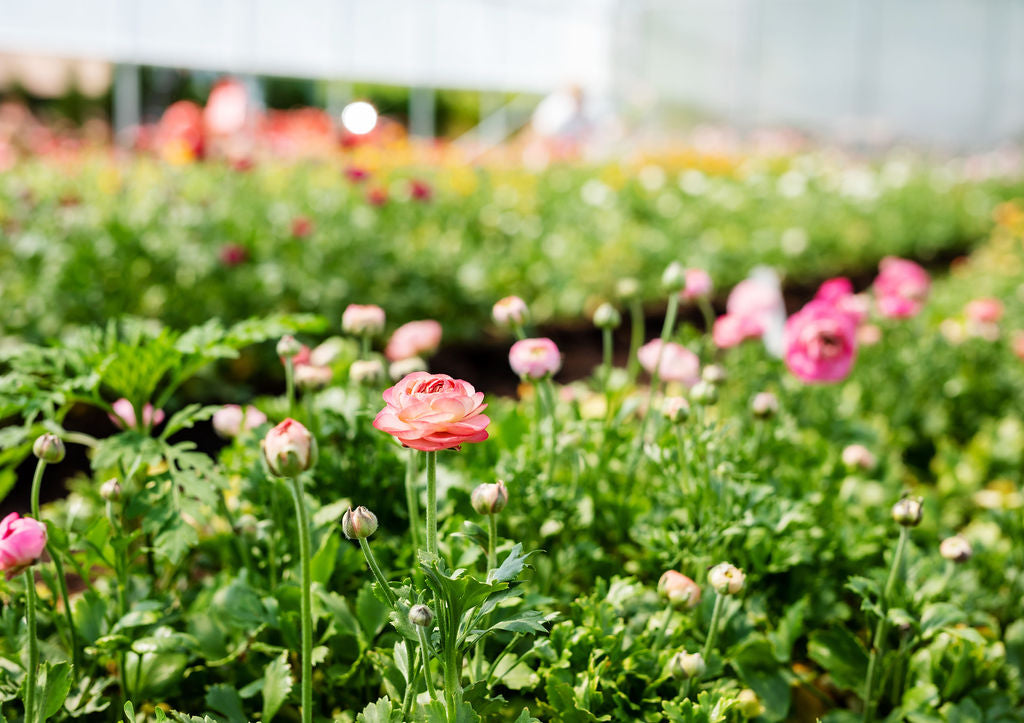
432	505
410	499
636	337
289	382
58	565
364	346
371	560
33	645
492	539
410	685
878	643
121	570
549	397
666	332
606	363
663	630
307	603
713	628
452	689
421	633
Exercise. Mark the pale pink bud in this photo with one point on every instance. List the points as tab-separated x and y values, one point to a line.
857	456
360	319
534	358
908	511
230	420
956	548
510	311
111	490
764	405
675	409
607	317
726	579
308	376
674	277
288	347
698	285
687	665
49	448
489	499
367	371
678	364
289	449
358	523
22	541
325	353
680	590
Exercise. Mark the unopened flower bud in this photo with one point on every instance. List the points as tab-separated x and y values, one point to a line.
687	665
289	449
675	409
358	523
366	371
680	590
607	317
627	289
489	499
111	490
748	704
421	615
404	367
907	511
714	374
288	347
726	579
956	548
764	405
674	277
310	377
704	393
510	311
49	448
362	319
857	456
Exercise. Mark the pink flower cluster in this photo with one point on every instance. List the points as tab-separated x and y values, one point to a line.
901	288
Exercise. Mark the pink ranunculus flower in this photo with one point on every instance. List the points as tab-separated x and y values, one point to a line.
680	590
22	541
984	311
124	415
430	412
901	288
413	339
834	289
359	319
309	376
730	330
289	449
678	364
230	420
698	285
839	293
535	358
758	301
820	343
510	310
420	190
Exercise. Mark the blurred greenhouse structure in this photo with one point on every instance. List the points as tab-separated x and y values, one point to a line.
864	72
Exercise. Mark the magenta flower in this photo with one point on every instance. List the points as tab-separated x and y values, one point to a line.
420	190
22	541
124	415
413	339
820	343
901	288
431	412
535	358
678	364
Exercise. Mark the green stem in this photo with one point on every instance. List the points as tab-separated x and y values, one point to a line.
432	505
452	689
502	654
121	571
58	564
663	630
33	646
666	332
364	347
421	633
713	629
878	643
549	397
492	539
311	420
289	385
302	520
636	338
606	362
410	685
371	560
410	499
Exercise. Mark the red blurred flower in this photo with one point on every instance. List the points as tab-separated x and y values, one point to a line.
420	190
233	254
377	196
302	226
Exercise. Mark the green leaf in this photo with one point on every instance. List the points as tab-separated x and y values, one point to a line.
757	666
55	686
277	684
225	700
372	613
325	558
512	565
379	712
841	654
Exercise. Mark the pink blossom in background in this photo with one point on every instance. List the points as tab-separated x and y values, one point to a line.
356	174
535	358
1018	344
302	227
834	289
730	330
22	541
820	343
698	285
227	108
869	335
678	364
359	319
431	412
510	310
420	190
124	415
901	288
230	420
839	293
413	339
233	254
377	196
984	311
757	301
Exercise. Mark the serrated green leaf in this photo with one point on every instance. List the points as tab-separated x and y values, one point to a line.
277	684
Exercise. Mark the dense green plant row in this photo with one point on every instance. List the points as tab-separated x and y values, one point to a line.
89	241
546	597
